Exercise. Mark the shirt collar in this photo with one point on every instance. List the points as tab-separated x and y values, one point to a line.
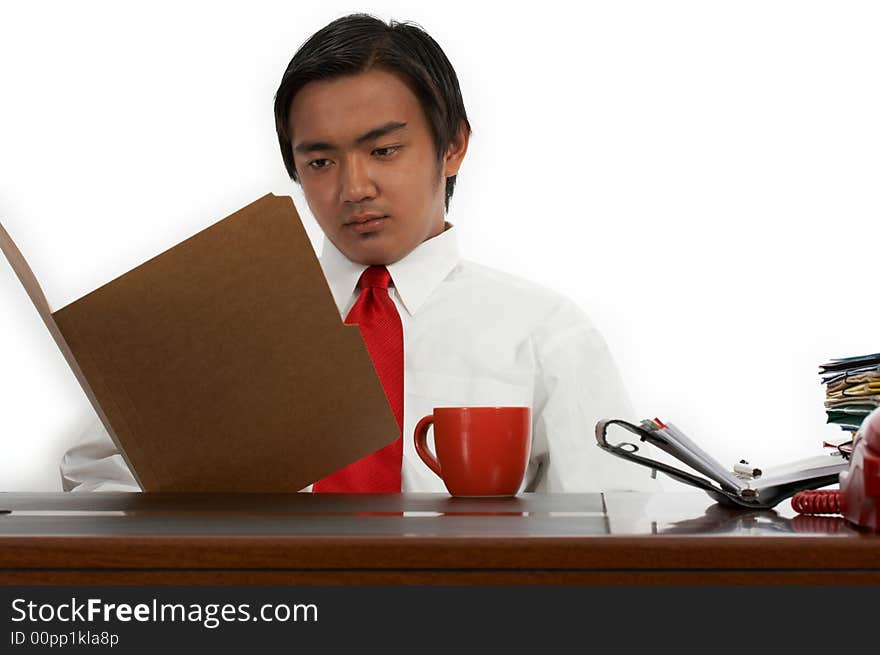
415	276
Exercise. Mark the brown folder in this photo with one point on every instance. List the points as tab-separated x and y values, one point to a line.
222	364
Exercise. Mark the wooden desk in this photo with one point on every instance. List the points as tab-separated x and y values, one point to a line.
678	538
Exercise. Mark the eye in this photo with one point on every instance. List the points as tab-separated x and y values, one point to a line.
318	164
387	151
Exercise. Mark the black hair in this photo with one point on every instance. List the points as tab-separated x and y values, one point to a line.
359	42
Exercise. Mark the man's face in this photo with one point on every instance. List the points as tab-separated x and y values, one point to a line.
367	164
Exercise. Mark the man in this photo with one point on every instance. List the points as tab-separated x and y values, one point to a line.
372	125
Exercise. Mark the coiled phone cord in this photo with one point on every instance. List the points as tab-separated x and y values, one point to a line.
817	502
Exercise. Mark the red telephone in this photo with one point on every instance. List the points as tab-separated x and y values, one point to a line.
859	496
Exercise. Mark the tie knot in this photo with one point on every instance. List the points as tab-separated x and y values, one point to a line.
375	276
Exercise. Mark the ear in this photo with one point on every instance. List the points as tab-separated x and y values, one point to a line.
456	151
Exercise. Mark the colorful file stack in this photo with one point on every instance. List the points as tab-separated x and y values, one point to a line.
852	389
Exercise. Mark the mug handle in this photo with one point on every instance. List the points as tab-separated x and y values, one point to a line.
421	439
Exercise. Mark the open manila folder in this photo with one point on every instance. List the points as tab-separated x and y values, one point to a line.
222	364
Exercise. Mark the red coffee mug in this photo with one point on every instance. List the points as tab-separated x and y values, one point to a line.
481	451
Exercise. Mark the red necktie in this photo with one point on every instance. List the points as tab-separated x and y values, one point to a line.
374	312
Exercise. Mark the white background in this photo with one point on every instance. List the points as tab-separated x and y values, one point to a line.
700	176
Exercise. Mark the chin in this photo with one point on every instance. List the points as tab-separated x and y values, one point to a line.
372	256
376	249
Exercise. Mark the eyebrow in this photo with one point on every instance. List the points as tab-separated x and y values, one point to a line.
375	133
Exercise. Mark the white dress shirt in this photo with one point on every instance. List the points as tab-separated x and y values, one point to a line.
472	336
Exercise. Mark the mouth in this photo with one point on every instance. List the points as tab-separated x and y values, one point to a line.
365	223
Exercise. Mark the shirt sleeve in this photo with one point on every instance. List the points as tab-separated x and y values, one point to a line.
95	464
577	384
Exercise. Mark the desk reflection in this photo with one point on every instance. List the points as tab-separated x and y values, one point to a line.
620	513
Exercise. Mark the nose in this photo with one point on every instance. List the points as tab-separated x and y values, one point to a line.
356	183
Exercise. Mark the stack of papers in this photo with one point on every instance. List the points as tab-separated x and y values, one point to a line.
852	389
